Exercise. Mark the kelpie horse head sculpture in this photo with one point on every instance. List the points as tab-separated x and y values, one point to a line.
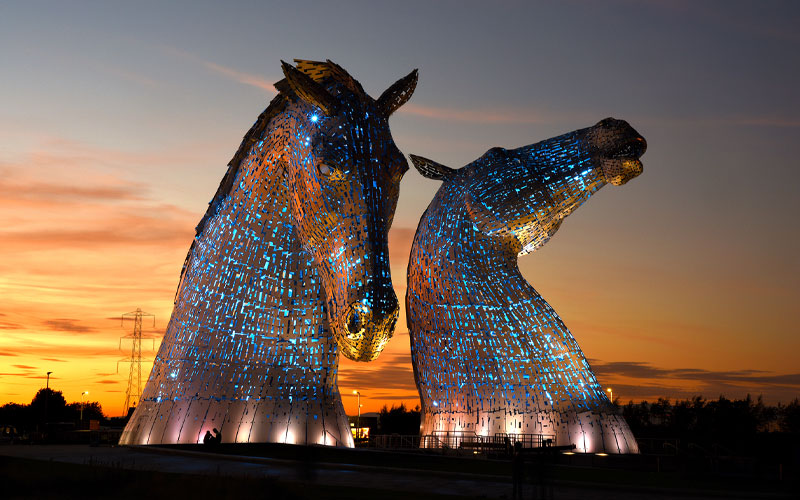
490	355
289	267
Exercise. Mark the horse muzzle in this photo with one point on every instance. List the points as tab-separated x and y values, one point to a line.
363	331
620	147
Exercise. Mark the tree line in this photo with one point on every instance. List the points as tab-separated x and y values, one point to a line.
723	416
48	406
398	420
733	427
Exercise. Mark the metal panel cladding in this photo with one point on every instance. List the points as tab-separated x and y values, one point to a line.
491	358
289	268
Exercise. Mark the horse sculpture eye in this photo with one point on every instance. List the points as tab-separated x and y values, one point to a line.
325	169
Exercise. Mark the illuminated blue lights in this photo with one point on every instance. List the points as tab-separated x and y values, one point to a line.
490	355
261	311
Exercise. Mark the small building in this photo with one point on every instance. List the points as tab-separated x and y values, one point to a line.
365	426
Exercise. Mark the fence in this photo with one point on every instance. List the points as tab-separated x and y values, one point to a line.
394	441
458	440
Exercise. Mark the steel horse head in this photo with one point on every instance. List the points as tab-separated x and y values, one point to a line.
289	268
343	172
490	355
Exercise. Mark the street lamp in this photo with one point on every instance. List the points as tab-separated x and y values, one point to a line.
83	404
358	420
46	396
610	392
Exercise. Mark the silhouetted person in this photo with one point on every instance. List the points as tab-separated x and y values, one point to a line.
217	439
517	471
208	439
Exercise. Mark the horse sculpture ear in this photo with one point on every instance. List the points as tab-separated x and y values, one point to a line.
430	169
309	90
398	94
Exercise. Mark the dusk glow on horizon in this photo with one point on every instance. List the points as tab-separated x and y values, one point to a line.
118	122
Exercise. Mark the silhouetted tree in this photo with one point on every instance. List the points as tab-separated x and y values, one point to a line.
28	417
789	417
740	426
53	402
16	414
91	411
399	420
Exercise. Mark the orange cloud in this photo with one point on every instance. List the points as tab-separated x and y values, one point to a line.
242	77
637	380
250	79
81	243
67	325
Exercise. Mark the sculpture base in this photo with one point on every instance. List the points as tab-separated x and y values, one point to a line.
253	421
590	432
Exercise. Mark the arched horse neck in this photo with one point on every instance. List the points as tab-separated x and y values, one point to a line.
250	307
251	206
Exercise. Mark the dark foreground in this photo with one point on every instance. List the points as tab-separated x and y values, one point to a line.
284	471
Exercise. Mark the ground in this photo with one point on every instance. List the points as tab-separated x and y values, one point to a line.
81	471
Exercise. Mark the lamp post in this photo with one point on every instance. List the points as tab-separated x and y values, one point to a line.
610	392
358	420
46	397
83	404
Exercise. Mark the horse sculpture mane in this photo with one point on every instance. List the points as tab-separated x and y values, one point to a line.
322	72
289	267
491	357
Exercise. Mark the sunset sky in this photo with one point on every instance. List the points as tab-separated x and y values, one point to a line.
117	120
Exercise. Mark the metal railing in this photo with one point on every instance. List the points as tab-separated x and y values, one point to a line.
528	440
458	440
462	439
394	441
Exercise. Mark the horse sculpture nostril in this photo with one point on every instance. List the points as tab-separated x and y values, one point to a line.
354	323
357	319
642	143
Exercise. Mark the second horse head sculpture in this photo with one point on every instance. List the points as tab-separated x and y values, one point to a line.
490	356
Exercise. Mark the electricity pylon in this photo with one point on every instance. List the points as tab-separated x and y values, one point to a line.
134	391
